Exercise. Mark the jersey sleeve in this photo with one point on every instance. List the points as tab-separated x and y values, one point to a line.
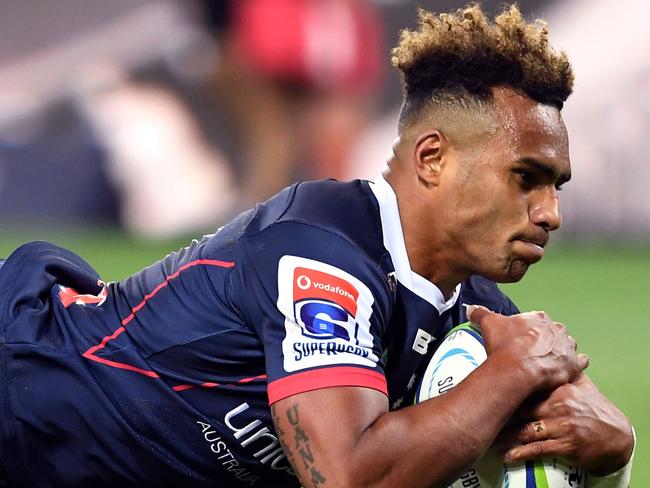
319	306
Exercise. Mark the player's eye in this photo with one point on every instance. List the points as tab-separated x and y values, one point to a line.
526	178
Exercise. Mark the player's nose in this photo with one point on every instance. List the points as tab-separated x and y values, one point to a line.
545	211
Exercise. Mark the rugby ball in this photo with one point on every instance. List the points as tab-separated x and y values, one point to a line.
460	353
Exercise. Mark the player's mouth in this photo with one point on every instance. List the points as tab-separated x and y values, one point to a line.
531	247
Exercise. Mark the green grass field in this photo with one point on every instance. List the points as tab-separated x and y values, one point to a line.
598	292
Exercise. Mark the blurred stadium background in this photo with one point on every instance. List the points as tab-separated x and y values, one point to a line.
126	127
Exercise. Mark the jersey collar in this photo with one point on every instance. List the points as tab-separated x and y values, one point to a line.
394	243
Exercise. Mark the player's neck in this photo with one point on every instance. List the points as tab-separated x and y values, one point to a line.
430	254
434	264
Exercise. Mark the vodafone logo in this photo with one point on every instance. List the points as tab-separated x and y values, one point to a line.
303	282
313	284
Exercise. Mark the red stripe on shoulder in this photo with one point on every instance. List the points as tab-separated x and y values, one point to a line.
316	379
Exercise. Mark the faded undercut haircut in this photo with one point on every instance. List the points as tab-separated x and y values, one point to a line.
457	58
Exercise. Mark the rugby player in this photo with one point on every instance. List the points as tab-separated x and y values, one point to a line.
284	349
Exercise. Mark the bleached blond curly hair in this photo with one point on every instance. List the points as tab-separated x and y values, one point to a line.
459	56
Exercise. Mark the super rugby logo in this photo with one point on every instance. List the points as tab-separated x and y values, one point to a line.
326	313
325	305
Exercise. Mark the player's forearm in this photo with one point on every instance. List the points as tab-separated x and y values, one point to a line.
431	443
345	438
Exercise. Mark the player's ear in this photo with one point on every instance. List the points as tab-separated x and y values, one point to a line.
427	156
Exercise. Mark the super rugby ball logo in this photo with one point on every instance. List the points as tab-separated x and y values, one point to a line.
326	315
324	305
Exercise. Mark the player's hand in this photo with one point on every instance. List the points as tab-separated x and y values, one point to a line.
578	423
532	341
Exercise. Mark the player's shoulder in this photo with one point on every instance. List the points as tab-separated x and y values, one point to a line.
477	290
330	204
326	233
321	214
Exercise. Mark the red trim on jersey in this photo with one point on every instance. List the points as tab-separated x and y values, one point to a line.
316	379
90	353
206	262
209	384
116	364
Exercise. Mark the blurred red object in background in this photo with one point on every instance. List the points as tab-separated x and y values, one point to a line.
325	44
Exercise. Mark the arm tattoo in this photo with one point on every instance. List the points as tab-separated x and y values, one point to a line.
282	436
300	451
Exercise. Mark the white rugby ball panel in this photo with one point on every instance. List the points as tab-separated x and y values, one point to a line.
460	353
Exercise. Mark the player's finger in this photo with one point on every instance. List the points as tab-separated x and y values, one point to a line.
533	450
540	430
583	361
476	314
533	431
573	341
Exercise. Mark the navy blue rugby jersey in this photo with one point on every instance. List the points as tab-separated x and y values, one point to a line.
165	378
